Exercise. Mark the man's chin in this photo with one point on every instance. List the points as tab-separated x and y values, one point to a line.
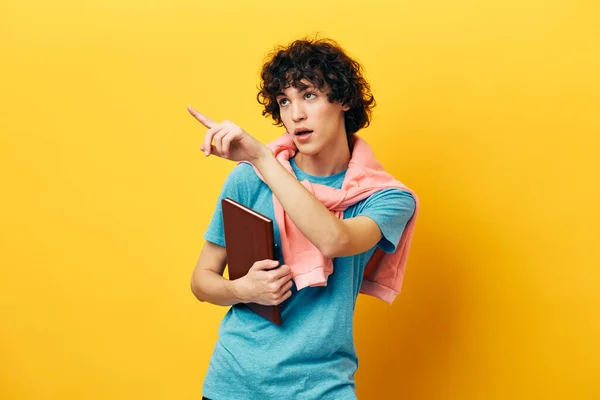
308	149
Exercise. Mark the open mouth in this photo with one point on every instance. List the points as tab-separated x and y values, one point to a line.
303	133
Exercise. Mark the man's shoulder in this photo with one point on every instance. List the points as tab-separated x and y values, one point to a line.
390	195
243	174
243	184
243	170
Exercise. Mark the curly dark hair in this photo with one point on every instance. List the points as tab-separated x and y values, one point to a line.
325	64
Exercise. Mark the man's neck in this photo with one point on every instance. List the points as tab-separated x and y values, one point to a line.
328	162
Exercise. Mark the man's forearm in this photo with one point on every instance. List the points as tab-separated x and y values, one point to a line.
211	287
313	219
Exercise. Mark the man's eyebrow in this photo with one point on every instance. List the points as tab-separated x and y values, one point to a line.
310	87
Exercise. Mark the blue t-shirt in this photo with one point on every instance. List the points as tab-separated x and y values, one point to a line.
312	354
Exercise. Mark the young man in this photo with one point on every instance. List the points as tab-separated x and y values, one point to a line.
332	205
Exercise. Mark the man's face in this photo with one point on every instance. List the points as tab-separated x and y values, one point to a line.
311	110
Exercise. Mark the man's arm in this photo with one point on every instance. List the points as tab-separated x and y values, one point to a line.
264	284
332	236
207	282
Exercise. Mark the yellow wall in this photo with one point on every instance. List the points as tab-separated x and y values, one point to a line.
489	110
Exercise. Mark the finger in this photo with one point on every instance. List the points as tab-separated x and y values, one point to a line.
281	272
214	151
284	280
210	133
285	297
287	286
227	140
218	139
208	138
236	135
226	144
265	265
203	119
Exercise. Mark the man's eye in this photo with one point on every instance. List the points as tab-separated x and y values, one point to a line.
281	102
310	94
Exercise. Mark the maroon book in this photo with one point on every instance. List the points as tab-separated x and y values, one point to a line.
248	238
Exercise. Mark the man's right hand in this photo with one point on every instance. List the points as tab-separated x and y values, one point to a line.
263	284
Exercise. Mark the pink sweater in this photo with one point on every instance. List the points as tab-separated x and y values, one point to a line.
364	176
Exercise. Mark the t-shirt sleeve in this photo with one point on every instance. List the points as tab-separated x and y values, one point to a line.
391	209
236	188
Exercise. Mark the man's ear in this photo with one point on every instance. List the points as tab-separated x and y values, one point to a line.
345	107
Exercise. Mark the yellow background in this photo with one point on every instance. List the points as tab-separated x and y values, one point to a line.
489	110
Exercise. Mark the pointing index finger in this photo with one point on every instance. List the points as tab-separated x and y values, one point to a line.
203	119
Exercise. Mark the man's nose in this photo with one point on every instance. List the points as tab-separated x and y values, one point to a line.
298	113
